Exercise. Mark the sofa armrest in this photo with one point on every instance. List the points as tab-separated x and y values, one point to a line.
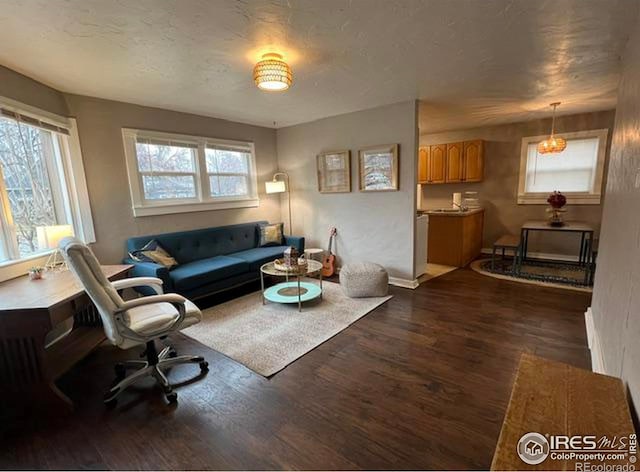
150	269
295	241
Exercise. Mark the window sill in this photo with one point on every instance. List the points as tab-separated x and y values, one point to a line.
151	210
571	199
19	267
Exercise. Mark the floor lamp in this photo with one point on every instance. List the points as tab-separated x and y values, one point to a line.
280	186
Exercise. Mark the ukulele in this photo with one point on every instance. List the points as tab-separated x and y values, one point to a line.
329	261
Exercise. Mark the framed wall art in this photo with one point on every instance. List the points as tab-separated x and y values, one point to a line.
334	172
378	167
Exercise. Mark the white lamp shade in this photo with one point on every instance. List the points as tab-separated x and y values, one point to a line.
275	186
49	237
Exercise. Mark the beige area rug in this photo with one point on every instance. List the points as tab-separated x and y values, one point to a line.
267	338
435	270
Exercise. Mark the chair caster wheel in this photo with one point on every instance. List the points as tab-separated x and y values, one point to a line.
172	398
204	366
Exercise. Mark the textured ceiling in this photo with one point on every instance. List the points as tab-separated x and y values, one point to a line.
470	62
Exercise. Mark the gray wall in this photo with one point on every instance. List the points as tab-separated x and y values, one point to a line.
100	124
30	92
499	189
377	226
616	296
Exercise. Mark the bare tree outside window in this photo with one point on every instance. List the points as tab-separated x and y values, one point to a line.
228	172
175	173
168	171
26	179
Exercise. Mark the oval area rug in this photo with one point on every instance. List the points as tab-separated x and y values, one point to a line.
545	274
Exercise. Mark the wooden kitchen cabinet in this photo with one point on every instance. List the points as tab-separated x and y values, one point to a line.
423	164
437	164
455	163
473	161
455	239
451	163
432	162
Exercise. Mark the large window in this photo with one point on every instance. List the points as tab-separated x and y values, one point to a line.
576	172
228	171
171	173
168	170
41	182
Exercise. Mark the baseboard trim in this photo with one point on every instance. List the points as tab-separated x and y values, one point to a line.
404	283
539	255
597	361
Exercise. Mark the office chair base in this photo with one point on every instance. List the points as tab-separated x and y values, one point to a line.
154	367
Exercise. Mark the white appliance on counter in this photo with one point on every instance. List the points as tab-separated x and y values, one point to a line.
457	201
422	231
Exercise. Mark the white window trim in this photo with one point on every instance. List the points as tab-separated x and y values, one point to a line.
76	186
202	202
574	198
18	267
33	112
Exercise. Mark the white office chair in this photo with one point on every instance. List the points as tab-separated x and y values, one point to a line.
134	322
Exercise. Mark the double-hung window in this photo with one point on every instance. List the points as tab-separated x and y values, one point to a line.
41	182
577	171
228	170
167	170
170	173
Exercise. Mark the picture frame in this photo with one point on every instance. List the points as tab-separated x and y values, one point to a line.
334	171
378	168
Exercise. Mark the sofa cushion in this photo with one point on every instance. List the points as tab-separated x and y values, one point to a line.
259	255
205	271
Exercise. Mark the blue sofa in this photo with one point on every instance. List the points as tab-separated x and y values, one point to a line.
209	260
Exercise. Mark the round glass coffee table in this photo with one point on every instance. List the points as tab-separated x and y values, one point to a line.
293	289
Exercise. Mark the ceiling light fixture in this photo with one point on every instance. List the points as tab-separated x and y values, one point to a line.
272	74
553	144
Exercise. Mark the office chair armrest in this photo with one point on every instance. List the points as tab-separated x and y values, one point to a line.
152	282
178	301
150	269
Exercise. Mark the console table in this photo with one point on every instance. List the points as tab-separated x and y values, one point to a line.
586	239
31	309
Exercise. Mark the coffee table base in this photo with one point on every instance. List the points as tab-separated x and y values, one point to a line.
287	292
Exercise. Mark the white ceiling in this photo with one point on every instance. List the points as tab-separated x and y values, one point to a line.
470	62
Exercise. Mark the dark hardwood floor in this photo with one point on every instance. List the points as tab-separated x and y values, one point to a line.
422	382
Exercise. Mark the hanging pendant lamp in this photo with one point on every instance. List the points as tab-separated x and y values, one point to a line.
553	144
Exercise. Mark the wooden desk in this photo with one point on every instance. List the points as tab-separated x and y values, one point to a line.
551	398
31	309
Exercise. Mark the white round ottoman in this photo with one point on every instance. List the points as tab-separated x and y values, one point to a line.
364	279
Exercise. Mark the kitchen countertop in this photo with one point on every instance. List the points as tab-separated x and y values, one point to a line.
450	213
